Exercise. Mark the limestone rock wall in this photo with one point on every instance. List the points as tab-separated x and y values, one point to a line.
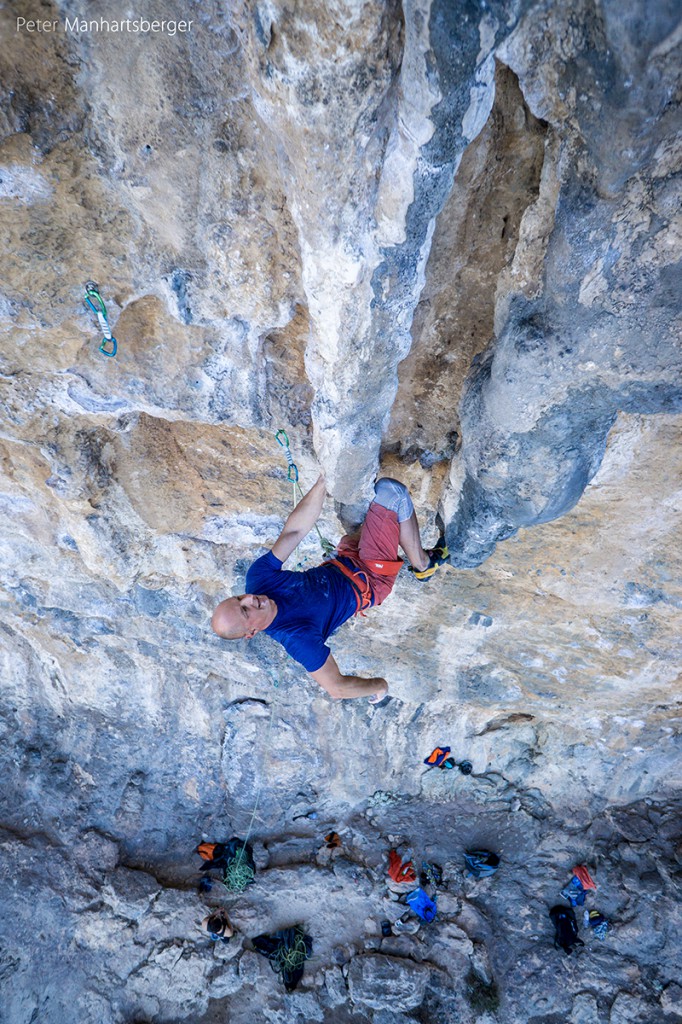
521	410
436	240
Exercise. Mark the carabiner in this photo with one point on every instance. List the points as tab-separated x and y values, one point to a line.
108	341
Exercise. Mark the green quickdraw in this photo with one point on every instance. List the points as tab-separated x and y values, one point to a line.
96	303
282	439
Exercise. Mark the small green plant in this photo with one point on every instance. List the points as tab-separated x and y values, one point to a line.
482	997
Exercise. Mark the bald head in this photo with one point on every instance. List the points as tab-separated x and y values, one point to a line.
228	621
243	616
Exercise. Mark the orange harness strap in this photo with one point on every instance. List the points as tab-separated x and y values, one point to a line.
363	591
385	568
361	585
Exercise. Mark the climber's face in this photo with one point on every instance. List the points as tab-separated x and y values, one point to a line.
243	616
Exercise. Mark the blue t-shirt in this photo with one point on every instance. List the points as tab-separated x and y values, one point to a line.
310	606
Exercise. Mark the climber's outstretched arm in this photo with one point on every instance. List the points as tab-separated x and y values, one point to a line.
343	687
301	520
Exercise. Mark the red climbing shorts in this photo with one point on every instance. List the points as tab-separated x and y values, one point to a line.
374	550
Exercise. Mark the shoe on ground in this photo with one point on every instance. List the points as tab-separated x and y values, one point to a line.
406	925
437	556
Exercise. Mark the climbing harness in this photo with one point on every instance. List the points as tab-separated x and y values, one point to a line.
364	596
96	303
282	440
432	874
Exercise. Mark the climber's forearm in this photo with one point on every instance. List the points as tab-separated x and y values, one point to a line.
301	520
346	687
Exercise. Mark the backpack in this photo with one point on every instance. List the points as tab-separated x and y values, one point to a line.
574	892
565	929
421	905
438	758
287	951
234	860
210	852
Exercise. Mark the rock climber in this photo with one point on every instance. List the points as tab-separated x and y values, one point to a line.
302	609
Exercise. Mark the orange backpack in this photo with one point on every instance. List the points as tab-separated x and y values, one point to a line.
207	850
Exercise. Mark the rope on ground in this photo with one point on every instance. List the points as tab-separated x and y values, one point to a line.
290	959
292	475
237	876
96	303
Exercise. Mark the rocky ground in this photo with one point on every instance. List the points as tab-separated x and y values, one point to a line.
116	940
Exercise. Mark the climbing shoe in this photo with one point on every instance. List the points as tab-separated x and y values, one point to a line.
437	557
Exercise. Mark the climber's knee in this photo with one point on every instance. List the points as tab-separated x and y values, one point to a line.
394	495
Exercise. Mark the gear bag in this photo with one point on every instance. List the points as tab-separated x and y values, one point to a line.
481	863
287	951
565	929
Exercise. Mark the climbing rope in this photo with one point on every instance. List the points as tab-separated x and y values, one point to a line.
96	303
237	875
291	958
282	439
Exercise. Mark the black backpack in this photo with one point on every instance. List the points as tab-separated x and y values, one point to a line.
233	859
565	928
287	951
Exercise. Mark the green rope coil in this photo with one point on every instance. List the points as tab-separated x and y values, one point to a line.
237	875
292	958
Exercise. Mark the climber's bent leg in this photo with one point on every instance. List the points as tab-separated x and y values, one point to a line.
394	495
